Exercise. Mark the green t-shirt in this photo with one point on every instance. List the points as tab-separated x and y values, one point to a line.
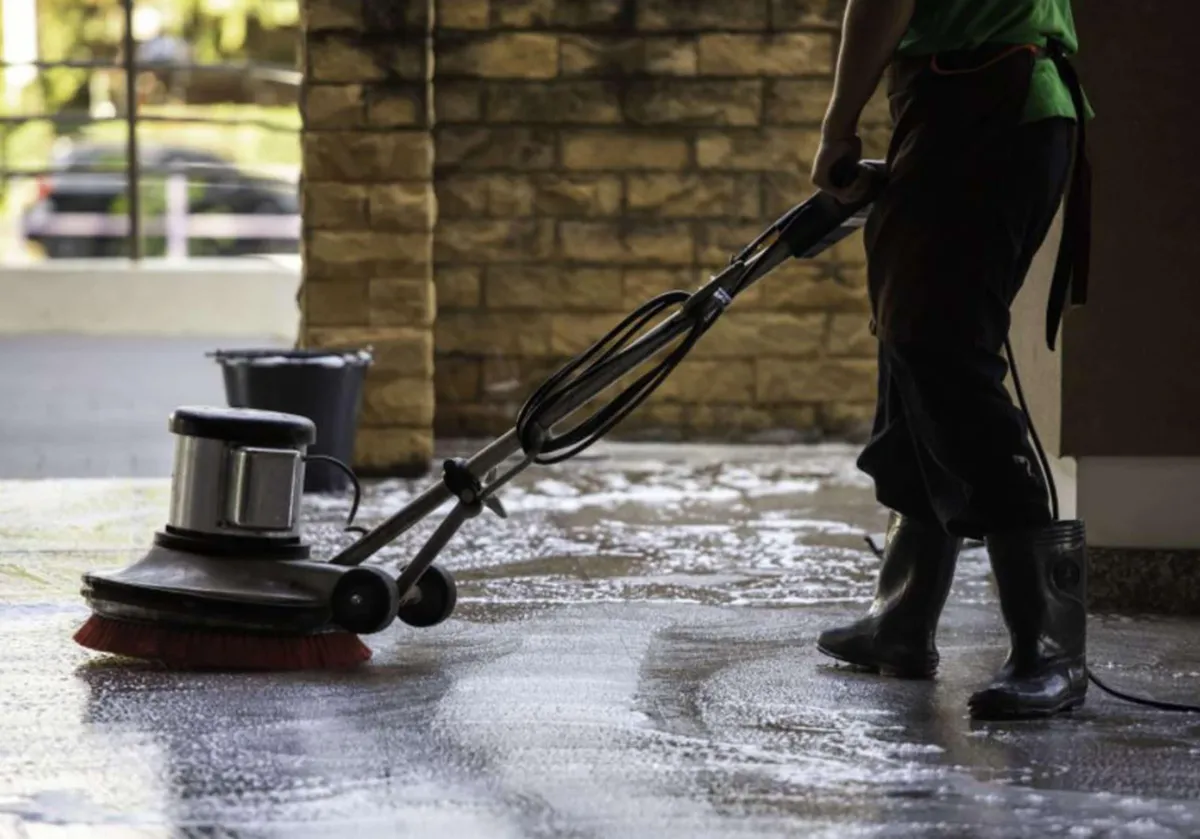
946	25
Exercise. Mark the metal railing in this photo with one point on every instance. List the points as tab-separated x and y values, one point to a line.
178	224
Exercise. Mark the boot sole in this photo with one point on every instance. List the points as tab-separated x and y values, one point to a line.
880	669
986	713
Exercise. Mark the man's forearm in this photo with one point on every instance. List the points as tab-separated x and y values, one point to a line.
871	30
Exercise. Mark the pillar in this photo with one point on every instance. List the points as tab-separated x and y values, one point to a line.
368	213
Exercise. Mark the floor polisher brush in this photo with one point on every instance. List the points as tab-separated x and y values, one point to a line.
230	582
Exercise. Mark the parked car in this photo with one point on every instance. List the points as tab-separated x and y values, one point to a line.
81	209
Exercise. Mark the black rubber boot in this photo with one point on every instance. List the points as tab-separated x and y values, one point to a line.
1041	575
896	636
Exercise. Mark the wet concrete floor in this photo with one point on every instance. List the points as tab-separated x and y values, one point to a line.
632	657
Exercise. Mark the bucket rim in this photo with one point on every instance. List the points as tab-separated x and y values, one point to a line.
352	355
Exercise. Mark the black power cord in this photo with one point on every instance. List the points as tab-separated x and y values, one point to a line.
1045	464
350	527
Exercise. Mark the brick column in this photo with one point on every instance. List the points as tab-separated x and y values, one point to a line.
368	213
591	154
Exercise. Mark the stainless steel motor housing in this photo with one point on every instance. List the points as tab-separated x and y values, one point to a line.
238	471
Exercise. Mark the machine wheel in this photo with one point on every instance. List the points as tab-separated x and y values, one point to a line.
365	600
437	596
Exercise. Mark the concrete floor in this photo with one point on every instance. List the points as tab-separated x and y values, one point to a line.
632	657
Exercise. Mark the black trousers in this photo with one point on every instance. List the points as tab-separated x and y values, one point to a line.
949	445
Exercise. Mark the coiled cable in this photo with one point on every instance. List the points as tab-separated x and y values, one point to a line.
537	414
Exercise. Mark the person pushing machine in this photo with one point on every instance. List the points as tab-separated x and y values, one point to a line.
988	133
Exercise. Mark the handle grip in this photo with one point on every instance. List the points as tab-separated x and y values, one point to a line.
844	172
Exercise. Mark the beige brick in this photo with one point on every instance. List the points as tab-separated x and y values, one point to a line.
748	422
458	286
768	150
338	249
717	241
334	206
510	379
670	56
832	380
797	101
522	14
786	54
493	240
509	196
807	14
398	452
591	14
333	58
458	101
624	243
599	55
473	149
694	102
848	420
402	301
484	333
694	195
877	110
853	275
629	150
806	286
329	252
553	287
404	350
462	195
699	15
462	14
391	399
850	335
875	141
338	303
571	334
577	102
655	420
456	379
397	22
753	334
318	15
850	251
469	420
333	106
644	284
784	190
710	381
603	55
576	195
354	156
404	206
507	55
397	106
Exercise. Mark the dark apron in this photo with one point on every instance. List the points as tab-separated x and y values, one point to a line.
950	161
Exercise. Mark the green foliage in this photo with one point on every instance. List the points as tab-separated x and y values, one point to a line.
216	30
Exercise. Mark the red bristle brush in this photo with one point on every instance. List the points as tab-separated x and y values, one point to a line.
196	649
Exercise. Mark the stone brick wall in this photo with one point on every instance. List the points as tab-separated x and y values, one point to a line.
369	211
593	153
585	155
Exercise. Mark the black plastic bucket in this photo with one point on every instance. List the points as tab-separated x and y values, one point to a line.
324	385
